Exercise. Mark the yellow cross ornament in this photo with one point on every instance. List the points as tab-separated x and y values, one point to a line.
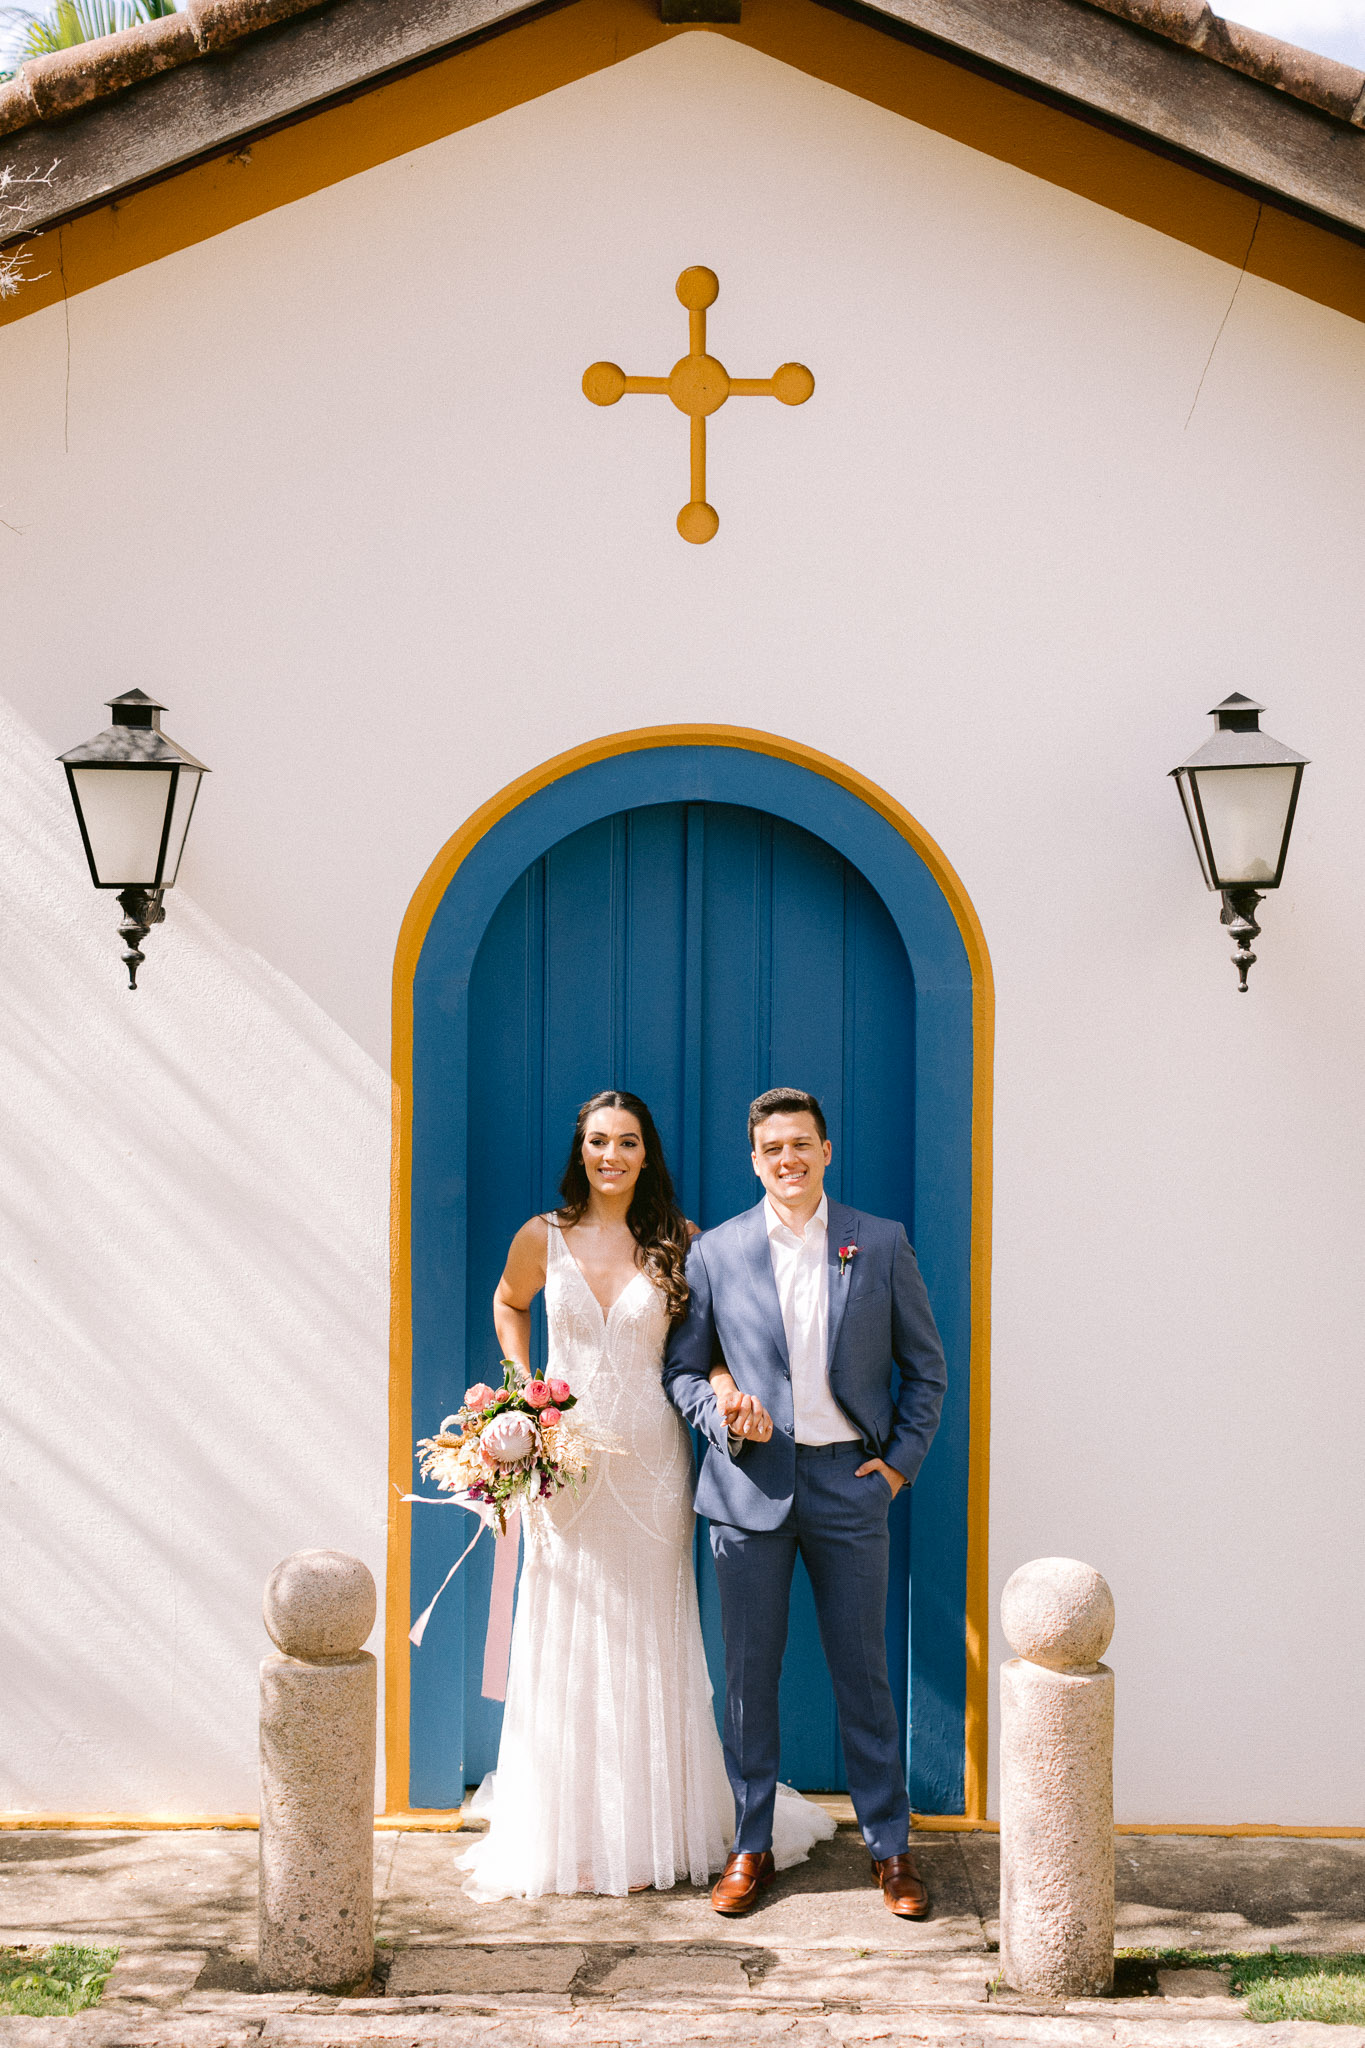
698	385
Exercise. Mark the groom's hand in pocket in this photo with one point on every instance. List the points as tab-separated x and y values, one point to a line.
894	1479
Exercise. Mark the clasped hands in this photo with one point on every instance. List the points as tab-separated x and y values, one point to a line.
745	1417
742	1414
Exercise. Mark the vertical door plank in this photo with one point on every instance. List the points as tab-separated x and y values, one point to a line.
655	978
584	947
879	1084
735	987
808	978
694	922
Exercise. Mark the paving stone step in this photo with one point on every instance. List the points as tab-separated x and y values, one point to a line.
511	2023
764	1975
431	1980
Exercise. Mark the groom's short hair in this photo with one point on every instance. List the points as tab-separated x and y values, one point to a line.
785	1102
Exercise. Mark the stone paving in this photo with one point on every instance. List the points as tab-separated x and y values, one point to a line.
819	1963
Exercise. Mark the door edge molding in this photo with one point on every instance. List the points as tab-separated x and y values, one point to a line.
417	920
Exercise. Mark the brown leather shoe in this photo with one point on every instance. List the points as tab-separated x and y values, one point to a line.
902	1886
737	1888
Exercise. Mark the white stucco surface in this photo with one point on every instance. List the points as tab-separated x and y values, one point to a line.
193	1188
327	485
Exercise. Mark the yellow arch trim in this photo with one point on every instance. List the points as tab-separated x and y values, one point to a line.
411	937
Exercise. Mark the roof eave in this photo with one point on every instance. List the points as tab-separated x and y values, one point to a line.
1087	57
1078	54
208	108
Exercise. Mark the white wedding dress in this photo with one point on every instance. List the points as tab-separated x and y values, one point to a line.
610	1775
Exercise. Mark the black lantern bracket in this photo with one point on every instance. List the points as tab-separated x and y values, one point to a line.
142	908
1239	915
1240	791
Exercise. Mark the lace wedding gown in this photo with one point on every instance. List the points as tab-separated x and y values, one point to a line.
610	1774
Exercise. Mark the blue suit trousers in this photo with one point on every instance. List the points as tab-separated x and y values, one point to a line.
838	1526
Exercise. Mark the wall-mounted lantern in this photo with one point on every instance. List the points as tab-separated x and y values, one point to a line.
1240	791
134	792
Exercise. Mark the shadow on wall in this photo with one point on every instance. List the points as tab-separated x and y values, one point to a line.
193	1242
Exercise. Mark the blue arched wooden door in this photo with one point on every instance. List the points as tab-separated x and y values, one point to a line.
696	951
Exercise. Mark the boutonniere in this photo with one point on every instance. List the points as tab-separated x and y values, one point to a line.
846	1253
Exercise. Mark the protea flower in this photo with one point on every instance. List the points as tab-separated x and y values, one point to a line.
508	1438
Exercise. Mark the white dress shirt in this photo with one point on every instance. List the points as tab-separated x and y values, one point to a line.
801	1270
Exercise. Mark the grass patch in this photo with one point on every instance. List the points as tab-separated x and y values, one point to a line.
45	1983
1275	1986
1280	1987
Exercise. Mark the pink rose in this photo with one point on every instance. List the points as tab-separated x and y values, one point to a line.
478	1396
560	1390
537	1393
549	1417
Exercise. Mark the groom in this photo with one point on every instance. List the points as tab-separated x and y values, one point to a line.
809	1305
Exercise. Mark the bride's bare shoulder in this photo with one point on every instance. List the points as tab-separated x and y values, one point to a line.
526	1253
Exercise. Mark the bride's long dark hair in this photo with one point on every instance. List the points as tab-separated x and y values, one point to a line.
656	1222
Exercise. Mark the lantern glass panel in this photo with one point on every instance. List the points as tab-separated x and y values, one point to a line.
1182	783
1245	810
125	814
186	789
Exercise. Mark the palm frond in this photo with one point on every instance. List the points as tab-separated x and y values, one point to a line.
37	32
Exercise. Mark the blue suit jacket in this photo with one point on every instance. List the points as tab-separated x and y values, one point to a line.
879	1317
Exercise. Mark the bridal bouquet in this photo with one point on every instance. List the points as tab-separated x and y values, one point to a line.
508	1445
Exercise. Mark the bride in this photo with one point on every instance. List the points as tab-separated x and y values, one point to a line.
610	1775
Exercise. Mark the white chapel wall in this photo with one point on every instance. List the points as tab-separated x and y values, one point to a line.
194	1191
361	532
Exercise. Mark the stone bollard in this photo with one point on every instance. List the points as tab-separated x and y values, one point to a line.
318	1699
1057	1782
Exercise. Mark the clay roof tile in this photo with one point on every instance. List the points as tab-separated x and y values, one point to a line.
51	87
47	88
1337	89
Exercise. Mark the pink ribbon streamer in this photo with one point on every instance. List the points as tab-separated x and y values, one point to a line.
497	1649
497	1646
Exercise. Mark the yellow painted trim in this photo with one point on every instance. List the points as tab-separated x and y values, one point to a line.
163	1823
529	58
398	1558
977	1731
1248	1828
953	1824
413	933
423	1820
154	1823
435	1820
160	1823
